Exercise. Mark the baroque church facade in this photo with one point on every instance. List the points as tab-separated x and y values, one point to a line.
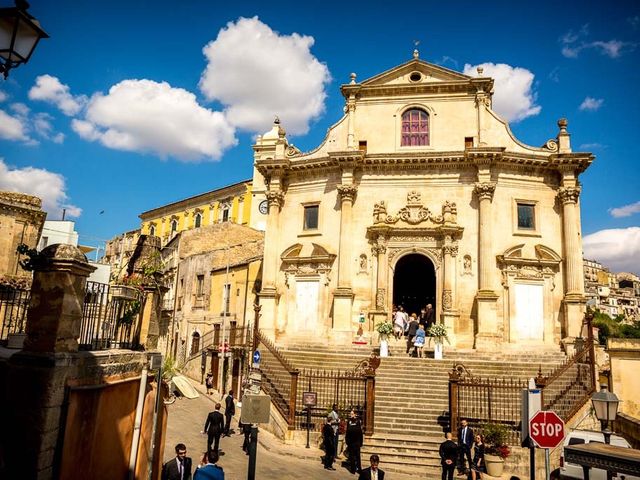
421	194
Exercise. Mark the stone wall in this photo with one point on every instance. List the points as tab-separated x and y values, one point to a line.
64	410
624	355
21	221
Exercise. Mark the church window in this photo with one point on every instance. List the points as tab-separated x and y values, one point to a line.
199	285
174	226
526	216
415	128
225	214
197	221
311	217
152	230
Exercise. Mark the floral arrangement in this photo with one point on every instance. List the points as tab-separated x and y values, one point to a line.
384	329
495	439
438	332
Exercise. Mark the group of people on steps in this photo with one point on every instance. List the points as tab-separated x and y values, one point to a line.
413	326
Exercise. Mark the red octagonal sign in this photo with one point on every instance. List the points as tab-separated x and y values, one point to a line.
546	428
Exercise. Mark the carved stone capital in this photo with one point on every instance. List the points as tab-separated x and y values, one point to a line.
484	190
275	198
450	250
347	192
569	194
378	249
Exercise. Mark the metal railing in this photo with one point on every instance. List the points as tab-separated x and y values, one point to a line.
110	317
498	400
286	385
348	390
14	303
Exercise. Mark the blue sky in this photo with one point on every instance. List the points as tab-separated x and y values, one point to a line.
124	109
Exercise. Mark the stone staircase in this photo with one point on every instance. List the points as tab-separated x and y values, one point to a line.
411	407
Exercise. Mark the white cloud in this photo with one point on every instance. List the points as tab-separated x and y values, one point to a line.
150	117
591	104
12	128
574	43
48	186
514	98
591	146
626	210
44	128
51	90
616	248
3	96
257	74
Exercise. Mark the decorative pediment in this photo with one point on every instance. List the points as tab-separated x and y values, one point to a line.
515	263
415	213
309	259
402	74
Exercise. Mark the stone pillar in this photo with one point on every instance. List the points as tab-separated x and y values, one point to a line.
574	299
268	292
343	296
449	313
486	297
351	120
38	374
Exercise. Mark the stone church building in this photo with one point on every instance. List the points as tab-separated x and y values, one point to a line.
421	194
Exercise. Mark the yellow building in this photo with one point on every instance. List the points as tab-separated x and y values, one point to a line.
231	203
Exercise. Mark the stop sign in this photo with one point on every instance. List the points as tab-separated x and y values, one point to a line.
546	428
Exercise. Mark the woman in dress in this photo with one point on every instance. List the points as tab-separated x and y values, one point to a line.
478	467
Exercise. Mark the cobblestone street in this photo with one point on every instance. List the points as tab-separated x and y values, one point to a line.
275	461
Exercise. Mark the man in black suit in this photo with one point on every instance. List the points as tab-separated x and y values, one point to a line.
229	412
372	472
448	454
412	328
178	468
465	442
213	427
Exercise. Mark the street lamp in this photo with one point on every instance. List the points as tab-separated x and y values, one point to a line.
19	34
605	403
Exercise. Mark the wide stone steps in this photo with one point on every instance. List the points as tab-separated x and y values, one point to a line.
412	399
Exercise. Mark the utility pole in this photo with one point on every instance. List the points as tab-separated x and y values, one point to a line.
227	294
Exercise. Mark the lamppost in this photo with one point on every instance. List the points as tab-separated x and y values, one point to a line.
605	403
20	32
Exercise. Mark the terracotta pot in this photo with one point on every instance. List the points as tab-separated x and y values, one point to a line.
494	464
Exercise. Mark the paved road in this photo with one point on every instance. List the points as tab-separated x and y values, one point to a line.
186	419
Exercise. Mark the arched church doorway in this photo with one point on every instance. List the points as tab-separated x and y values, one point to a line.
414	283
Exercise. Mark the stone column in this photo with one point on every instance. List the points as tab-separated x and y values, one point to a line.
351	114
449	313
487	336
38	374
574	300
268	292
343	296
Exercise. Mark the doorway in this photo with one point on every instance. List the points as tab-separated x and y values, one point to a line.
414	283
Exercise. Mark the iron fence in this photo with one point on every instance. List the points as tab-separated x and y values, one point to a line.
14	303
347	390
110	317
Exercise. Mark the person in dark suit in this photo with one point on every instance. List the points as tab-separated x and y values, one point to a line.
412	328
213	427
353	437
229	412
448	454
465	442
178	468
372	472
209	469
328	438
429	316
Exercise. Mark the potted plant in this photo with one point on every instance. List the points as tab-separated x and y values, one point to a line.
384	329
438	332
496	448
